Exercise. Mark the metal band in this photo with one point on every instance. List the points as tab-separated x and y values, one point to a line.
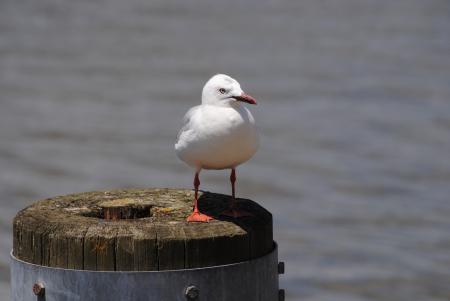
254	280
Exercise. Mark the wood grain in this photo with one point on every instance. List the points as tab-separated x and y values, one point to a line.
71	231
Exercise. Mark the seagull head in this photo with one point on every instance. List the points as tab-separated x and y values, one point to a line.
223	90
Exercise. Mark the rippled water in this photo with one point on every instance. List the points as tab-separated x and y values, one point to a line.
354	113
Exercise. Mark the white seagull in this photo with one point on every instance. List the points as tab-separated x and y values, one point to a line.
218	134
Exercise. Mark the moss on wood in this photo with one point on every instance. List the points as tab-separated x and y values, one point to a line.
71	231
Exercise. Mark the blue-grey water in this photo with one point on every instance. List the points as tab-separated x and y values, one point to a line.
354	116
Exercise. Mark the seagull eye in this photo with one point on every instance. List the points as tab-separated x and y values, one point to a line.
222	91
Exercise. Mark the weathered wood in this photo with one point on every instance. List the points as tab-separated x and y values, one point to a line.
138	229
126	208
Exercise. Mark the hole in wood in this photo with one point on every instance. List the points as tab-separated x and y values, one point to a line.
124	209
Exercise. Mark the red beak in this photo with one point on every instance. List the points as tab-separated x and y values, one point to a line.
245	98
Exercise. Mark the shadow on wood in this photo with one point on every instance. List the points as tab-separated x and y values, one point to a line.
146	230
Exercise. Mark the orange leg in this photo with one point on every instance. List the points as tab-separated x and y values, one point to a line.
233	211
196	215
233	180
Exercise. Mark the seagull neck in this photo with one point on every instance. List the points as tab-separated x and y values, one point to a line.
224	104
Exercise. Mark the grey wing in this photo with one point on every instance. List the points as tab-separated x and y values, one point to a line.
186	122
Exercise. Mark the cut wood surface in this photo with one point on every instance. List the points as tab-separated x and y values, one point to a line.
138	229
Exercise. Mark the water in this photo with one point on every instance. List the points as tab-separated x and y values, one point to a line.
354	114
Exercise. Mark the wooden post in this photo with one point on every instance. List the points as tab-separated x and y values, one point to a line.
139	230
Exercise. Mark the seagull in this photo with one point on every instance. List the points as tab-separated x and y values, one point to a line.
218	134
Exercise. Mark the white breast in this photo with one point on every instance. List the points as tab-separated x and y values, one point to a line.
217	137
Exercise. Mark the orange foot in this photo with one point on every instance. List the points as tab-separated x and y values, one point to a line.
199	217
236	213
